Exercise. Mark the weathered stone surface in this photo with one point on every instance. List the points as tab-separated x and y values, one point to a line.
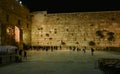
75	27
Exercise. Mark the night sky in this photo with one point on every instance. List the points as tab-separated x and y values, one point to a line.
59	6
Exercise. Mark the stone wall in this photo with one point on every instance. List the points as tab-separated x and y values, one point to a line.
76	29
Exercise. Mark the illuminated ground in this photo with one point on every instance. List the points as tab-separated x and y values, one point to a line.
59	62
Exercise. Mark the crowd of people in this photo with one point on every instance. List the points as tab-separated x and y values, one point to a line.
73	48
22	54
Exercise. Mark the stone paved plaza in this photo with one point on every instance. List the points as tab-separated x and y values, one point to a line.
59	62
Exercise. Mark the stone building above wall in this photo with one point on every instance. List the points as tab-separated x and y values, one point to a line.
15	22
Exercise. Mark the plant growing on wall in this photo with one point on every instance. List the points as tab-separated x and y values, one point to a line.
77	43
50	38
47	35
111	36
99	33
92	43
63	43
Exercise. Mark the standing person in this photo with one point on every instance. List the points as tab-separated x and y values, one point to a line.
25	54
92	51
20	55
16	51
84	50
20	52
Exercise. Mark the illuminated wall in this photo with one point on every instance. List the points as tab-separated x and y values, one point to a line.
75	29
38	25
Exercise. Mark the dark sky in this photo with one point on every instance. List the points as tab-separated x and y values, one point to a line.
56	6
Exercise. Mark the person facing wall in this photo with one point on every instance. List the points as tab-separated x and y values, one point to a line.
92	51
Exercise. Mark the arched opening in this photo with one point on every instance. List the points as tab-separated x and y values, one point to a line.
17	34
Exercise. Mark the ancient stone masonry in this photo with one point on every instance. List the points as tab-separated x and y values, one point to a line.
15	23
76	29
